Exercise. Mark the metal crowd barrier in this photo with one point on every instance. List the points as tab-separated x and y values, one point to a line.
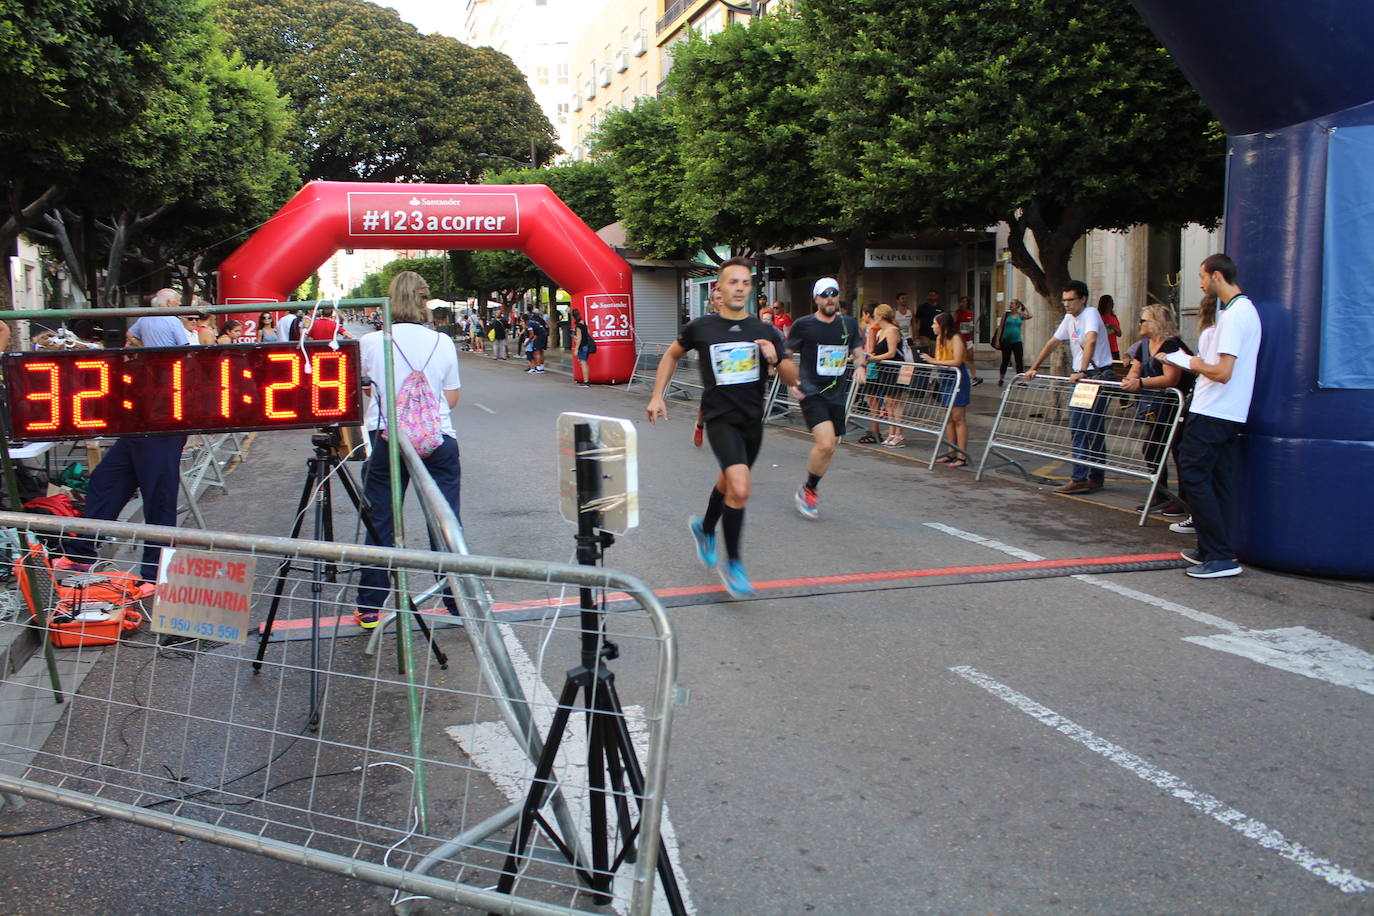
686	381
780	403
410	781
1125	432
917	397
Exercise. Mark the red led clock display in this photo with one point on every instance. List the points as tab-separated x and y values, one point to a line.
80	394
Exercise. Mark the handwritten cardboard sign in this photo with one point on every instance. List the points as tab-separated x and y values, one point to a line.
204	595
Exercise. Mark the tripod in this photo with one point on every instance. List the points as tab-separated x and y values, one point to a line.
320	468
610	750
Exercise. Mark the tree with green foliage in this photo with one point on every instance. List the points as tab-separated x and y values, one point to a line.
378	101
587	187
375	286
645	154
1056	116
88	86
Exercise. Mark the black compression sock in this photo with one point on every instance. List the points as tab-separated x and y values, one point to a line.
713	507
733	523
813	480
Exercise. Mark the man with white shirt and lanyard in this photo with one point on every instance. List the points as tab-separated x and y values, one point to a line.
1208	453
733	347
824	343
1083	328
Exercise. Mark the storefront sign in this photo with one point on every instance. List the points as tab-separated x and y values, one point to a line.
910	258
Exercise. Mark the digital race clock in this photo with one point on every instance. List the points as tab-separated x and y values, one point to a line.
80	394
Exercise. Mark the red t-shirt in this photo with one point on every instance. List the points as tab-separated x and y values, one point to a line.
1112	322
322	329
782	323
963	318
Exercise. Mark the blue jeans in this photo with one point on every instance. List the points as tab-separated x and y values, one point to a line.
153	467
1207	467
443	465
1086	438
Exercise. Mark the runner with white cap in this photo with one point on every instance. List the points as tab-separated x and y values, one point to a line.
824	341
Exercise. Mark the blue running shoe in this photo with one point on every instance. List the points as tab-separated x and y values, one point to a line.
706	543
736	580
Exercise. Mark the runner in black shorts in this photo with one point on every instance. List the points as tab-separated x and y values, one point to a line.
733	348
824	342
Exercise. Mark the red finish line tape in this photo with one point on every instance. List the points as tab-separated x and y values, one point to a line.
573	599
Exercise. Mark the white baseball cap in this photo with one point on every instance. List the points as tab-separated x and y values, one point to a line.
823	284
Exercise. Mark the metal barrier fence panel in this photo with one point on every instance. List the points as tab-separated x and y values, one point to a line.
1121	431
916	397
685	381
172	727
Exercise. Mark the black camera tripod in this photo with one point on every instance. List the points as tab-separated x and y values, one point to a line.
321	467
610	749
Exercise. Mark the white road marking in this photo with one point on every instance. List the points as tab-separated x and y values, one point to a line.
491	747
1257	831
481	406
1297	650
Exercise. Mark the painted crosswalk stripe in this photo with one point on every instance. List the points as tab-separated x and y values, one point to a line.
1248	827
1297	650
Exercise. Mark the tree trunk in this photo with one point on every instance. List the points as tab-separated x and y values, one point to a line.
851	246
20	217
1056	230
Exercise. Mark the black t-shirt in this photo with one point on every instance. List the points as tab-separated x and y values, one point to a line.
823	348
499	324
1151	366
733	375
925	319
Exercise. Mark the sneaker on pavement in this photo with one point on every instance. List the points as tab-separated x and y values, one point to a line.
1192	556
539	371
366	619
1184	527
808	502
67	564
1215	569
736	580
706	543
1174	509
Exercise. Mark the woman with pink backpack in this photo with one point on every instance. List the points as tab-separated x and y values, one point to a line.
425	376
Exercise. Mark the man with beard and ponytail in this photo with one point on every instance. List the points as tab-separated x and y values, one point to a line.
824	342
733	348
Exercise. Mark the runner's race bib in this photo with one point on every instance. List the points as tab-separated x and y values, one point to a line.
831	359
735	363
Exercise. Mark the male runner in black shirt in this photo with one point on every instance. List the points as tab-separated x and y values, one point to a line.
734	349
824	343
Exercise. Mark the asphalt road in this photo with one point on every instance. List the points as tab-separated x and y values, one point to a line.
911	745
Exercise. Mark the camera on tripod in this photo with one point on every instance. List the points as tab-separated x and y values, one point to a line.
344	442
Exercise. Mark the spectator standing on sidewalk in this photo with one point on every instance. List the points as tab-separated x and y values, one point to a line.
906	322
949	351
502	329
1151	369
781	319
150	464
824	343
1106	307
963	316
582	346
1208	456
1082	327
925	321
1009	338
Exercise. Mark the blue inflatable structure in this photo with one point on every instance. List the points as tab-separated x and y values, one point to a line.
1293	86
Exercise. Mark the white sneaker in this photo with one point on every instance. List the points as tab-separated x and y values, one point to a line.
1184	527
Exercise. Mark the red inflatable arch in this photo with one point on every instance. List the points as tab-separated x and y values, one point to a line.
325	216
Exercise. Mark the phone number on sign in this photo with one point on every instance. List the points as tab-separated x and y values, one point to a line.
202	628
